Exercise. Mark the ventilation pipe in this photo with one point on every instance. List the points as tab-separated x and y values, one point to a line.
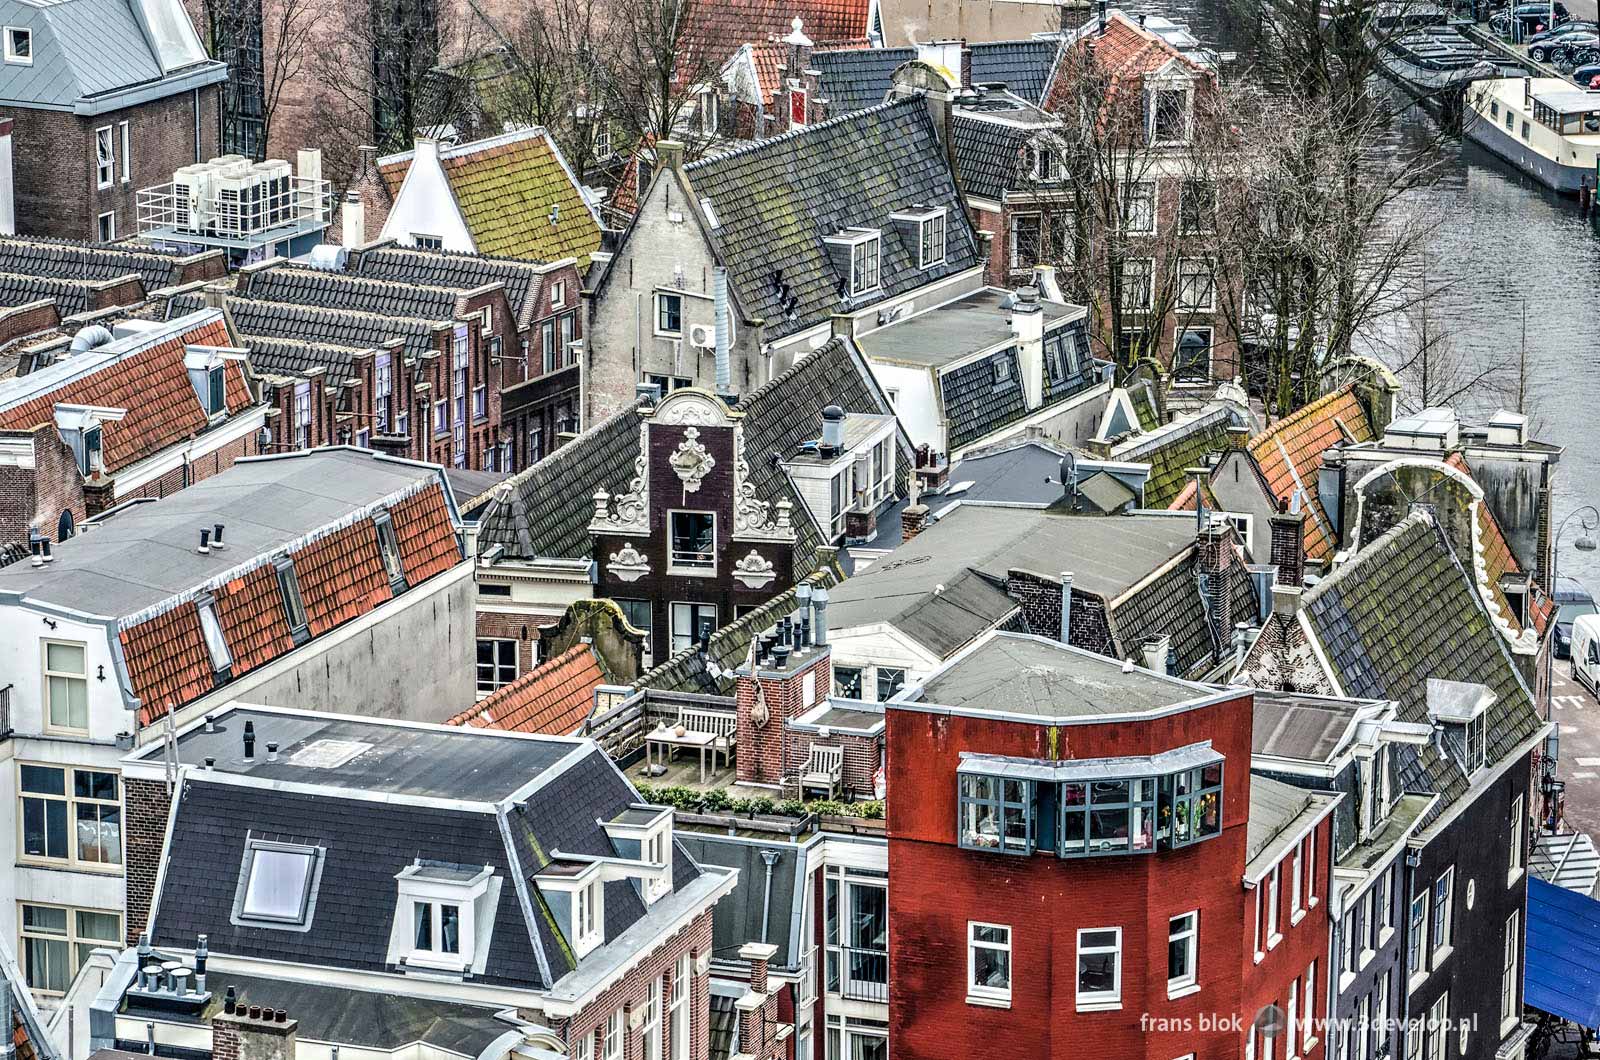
819	607
92	337
216	538
205	543
249	741
832	430
719	294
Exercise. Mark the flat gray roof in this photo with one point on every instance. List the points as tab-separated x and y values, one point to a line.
145	553
1304	728
357	754
1015	474
937	337
1015	673
947	584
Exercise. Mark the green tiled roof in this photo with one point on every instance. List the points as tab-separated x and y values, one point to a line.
1177	447
506	188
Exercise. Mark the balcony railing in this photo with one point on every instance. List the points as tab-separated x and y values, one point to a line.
693	560
866	974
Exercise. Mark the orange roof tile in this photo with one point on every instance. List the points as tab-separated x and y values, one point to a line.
726	24
164	666
152	384
1124	53
553	698
1289	454
426	537
250	612
341	576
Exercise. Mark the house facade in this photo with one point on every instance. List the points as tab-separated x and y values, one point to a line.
98	114
1129	816
147	618
138	411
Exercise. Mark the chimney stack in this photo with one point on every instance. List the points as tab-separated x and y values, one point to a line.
1027	324
1216	557
253	1033
353	221
1289	545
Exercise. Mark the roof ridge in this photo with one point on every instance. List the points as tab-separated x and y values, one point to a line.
773	141
458	255
571	447
358	278
296	306
1304	412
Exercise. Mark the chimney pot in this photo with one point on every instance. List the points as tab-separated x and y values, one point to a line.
216	536
780	656
272	752
254	1012
205	538
819	607
280	1016
211	723
230	1001
49	557
249	741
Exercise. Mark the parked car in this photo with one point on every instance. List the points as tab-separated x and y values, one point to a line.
1586	74
1574	601
1530	19
1586	652
1575	49
1553	35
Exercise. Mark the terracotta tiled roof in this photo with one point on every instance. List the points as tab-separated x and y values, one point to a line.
1185	499
341	576
768	57
506	187
250	612
553	698
167	661
725	24
1289	454
1124	53
150	382
427	539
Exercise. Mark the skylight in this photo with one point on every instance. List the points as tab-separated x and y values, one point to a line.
277	884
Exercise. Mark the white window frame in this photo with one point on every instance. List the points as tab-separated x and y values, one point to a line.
434	955
1149	281
656	324
105	226
978	993
105	157
1438	1022
1273	935
558	294
582	1047
1417	943
1509	961
1308	1001
123	137
423	241
1291	1016
694	569
650	1043
73	939
862	253
1442	941
588	915
1184	87
216	641
13	34
1189	980
1143	224
50	723
1098	1000
1296	898
1518	845
72	801
694	606
1311	870
494	681
678	1009
929	253
612	1037
1186	278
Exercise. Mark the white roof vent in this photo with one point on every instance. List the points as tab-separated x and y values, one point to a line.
1433	430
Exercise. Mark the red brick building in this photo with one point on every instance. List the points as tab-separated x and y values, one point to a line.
1115	811
139	412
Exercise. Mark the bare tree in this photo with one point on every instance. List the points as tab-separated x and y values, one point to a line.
286	43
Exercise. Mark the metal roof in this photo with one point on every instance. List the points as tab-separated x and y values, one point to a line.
1300	727
975	322
1020	674
1562	974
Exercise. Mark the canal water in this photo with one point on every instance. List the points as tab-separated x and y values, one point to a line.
1500	242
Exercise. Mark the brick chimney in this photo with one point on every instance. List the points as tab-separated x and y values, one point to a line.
1216	556
1289	546
789	675
146	806
252	1033
913	519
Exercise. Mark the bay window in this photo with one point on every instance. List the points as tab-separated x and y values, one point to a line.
1108	816
996	814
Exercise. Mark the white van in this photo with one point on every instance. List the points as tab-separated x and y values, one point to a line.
1586	651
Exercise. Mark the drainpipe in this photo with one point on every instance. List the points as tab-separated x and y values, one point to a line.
719	291
770	857
1066	607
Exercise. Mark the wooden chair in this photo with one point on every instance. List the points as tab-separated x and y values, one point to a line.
722	724
824	770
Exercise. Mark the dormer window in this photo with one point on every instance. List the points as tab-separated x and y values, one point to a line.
1167	113
644	833
862	251
1459	711
1044	164
80	428
924	229
19	46
207	367
574	889
586	916
444	916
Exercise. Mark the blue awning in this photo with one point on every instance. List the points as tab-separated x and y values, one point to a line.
1563	953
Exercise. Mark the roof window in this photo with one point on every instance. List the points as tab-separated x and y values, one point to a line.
294	609
19	46
389	548
278	884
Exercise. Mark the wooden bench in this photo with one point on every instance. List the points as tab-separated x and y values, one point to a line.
824	770
722	725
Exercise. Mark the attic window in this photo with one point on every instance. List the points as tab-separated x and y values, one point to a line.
389	548
575	891
1459	711
294	609
278	885
925	229
19	45
443	916
865	249
216	643
1167	115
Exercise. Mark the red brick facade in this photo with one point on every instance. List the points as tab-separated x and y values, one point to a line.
762	758
632	994
54	160
939	887
147	806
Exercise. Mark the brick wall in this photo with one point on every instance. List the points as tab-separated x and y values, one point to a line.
761	748
54	161
1040	602
862	757
20	321
632	992
203	467
146	806
521	628
34	498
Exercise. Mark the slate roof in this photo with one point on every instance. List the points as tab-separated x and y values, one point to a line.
336	327
1273	805
1303	728
87	50
1289	454
370	841
1381	644
143	373
987	155
447	268
1177	446
296	357
553	698
72	260
856	79
505	187
336	290
552	501
70	295
739	916
776	200
1171	605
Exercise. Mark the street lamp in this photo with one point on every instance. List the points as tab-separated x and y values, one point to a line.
1588	518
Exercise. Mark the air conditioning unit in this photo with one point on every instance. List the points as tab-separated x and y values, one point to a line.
703	335
277	178
191	197
241	202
